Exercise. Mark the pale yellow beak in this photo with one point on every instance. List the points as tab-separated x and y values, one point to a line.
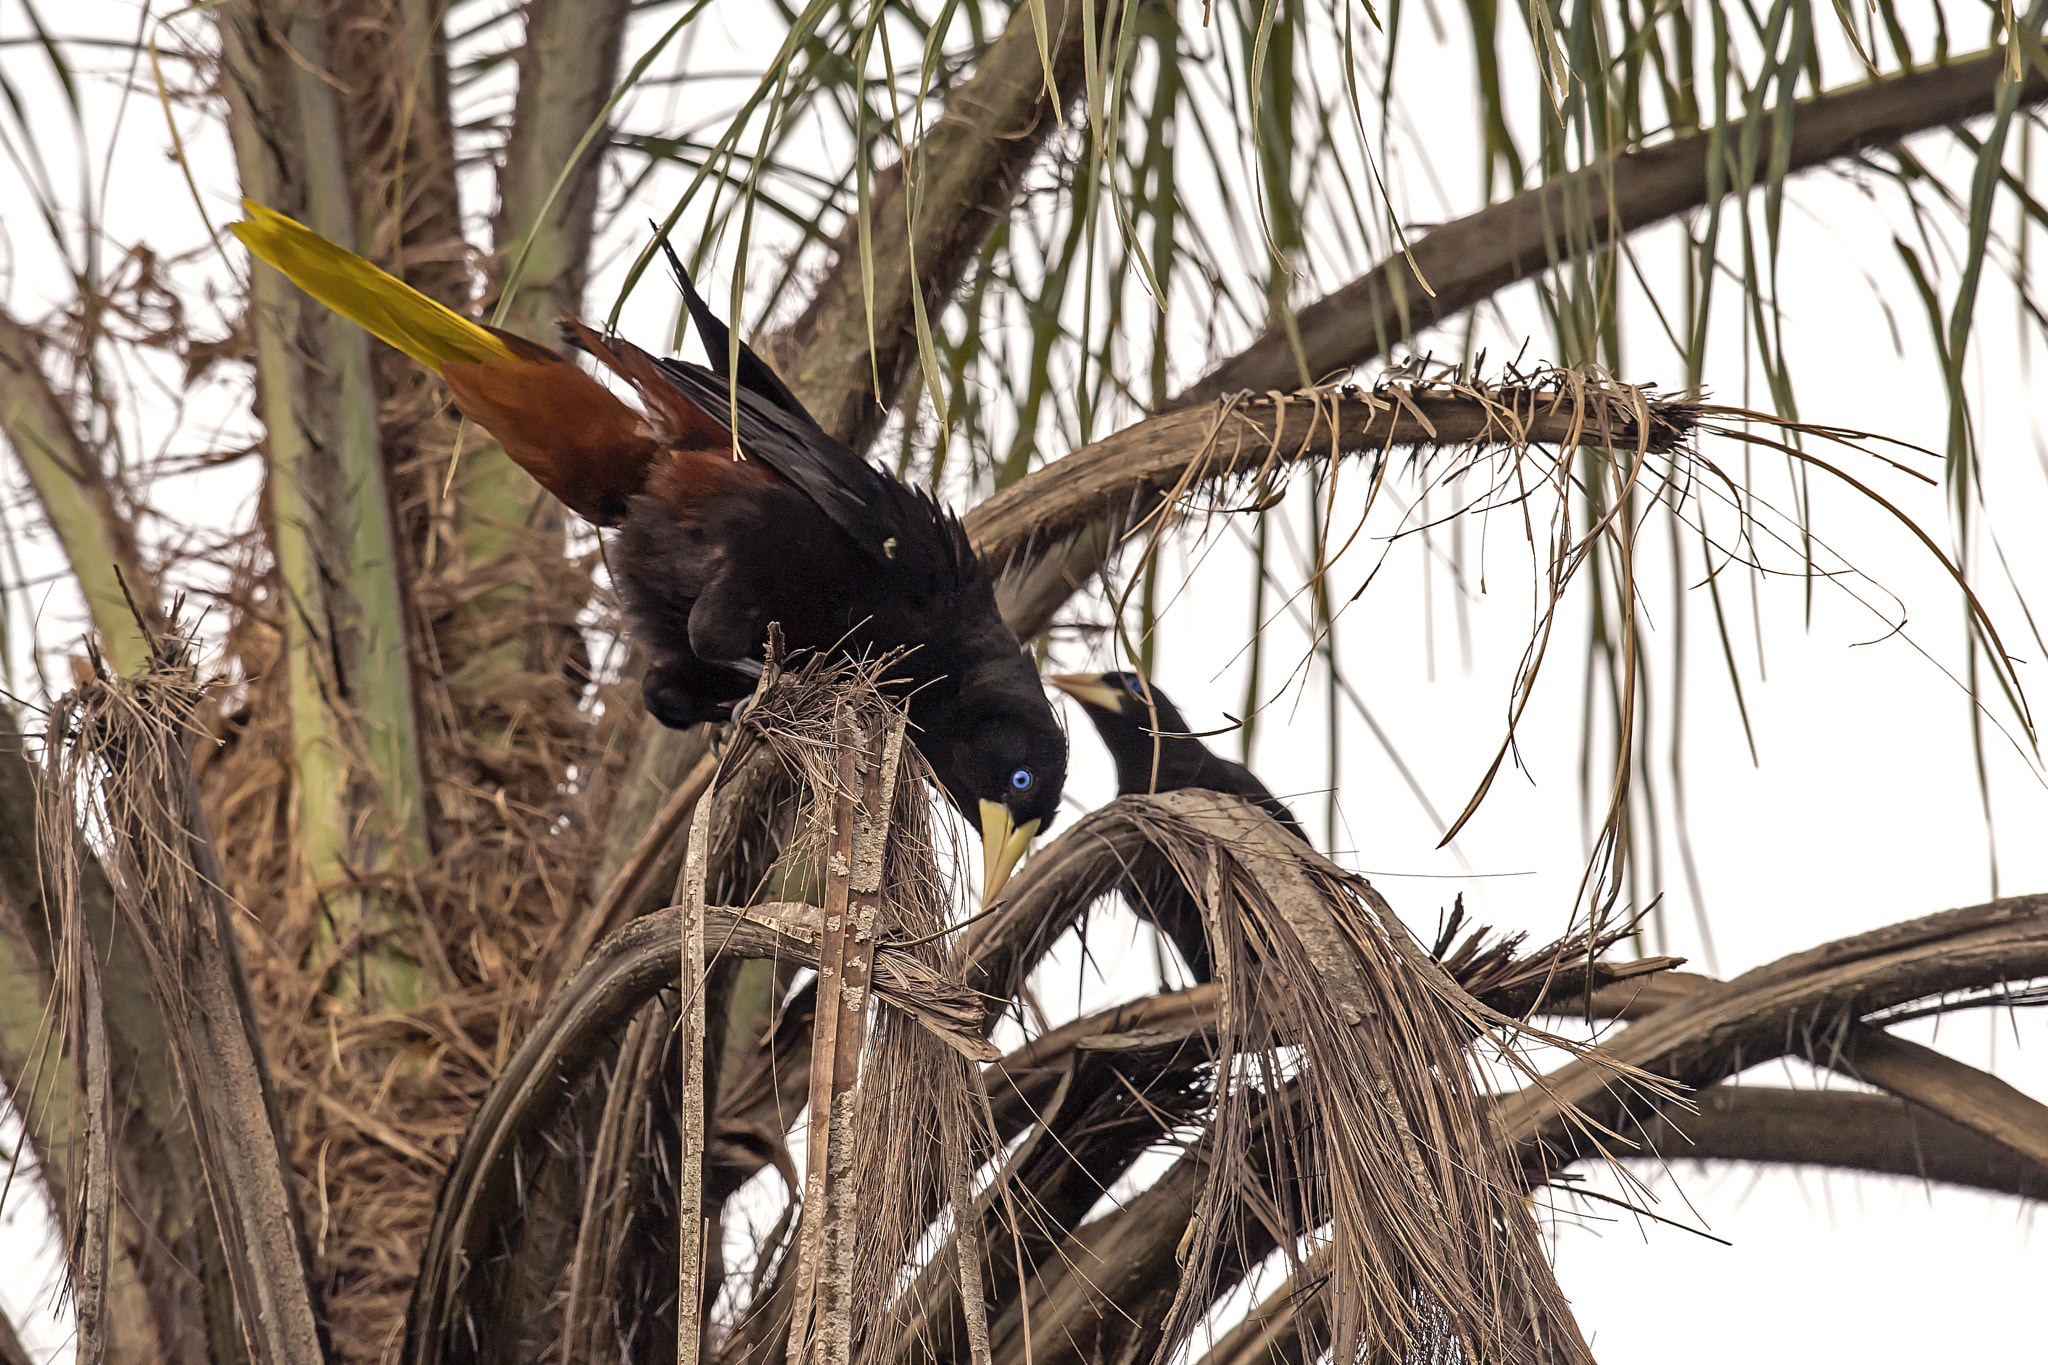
1086	687
1002	844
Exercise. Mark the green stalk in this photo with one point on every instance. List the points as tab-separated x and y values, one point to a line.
355	738
383	690
98	541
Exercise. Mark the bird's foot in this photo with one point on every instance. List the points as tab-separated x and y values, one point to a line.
673	702
723	737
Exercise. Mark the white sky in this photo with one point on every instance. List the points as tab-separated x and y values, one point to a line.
1862	810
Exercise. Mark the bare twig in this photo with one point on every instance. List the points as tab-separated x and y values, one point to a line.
89	1257
690	1171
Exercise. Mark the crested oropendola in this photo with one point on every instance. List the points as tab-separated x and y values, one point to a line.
734	509
1155	751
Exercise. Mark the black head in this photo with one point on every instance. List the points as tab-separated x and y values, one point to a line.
1154	748
1141	706
1139	725
999	752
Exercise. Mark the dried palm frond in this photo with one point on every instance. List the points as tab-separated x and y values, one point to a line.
1348	1117
1495	970
1336	1069
918	1121
117	779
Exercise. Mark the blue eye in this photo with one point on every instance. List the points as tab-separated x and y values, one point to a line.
1133	686
1021	779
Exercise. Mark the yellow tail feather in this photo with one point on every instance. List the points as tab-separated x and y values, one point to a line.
380	303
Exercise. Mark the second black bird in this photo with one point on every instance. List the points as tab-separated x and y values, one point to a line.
1155	751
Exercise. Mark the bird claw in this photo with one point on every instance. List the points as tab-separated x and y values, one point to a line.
736	716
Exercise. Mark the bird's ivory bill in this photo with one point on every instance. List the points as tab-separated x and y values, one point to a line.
1002	844
1089	689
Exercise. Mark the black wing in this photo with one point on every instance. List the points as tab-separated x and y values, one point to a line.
754	374
773	427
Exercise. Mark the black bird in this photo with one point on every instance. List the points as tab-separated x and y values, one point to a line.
1156	751
734	509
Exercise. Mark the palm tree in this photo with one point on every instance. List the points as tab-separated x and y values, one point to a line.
1103	274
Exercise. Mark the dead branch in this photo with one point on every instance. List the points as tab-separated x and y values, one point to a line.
1956	1091
1054	529
1806	1004
1104	1085
1477	256
1842	1130
693	981
1951	1096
